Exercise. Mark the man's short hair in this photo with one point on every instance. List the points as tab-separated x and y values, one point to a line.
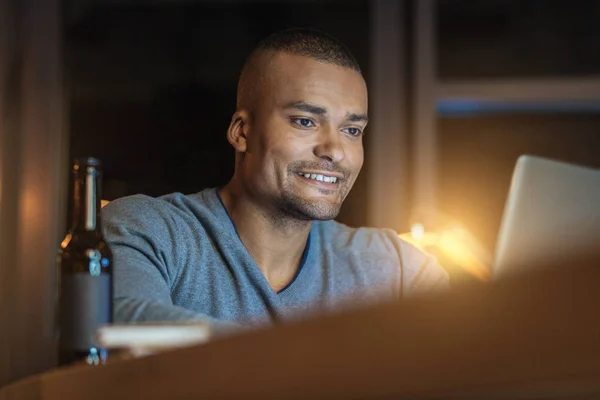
310	43
306	42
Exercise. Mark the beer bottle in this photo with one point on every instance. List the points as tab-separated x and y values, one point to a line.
84	271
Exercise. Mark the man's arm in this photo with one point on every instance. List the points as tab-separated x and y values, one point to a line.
421	272
141	289
144	252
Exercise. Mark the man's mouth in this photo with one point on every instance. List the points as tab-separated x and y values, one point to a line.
319	177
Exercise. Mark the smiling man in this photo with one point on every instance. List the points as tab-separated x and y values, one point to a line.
265	247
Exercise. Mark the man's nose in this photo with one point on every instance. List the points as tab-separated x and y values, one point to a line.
330	145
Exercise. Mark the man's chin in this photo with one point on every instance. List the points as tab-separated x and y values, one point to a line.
319	211
311	209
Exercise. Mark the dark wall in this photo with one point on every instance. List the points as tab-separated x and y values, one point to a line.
477	155
152	88
506	39
518	38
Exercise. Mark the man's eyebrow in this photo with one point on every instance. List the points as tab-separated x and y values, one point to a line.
304	106
319	110
357	118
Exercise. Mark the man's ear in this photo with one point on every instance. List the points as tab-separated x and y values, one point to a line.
238	129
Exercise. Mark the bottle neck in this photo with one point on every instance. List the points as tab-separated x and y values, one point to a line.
86	200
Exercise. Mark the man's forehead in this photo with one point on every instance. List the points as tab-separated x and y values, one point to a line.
291	77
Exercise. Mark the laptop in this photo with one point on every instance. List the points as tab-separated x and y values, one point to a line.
552	213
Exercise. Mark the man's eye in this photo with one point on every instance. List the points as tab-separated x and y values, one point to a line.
353	131
304	122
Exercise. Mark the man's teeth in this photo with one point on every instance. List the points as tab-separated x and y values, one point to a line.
318	177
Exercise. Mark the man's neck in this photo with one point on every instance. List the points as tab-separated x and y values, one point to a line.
276	244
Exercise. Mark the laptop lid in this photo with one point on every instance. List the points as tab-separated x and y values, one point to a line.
552	212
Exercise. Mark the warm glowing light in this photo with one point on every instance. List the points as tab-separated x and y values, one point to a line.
103	203
66	241
454	245
417	231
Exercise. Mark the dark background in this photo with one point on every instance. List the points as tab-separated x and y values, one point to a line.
151	89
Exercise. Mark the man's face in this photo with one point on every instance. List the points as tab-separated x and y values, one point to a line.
304	140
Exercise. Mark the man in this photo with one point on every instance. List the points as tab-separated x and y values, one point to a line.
264	247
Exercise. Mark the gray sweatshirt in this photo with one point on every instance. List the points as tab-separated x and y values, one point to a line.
179	257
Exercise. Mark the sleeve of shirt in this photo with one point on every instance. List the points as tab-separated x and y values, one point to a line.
145	258
420	272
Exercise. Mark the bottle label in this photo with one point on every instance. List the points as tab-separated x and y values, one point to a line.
85	306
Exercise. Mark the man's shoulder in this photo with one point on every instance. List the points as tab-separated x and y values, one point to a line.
363	239
420	271
148	209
